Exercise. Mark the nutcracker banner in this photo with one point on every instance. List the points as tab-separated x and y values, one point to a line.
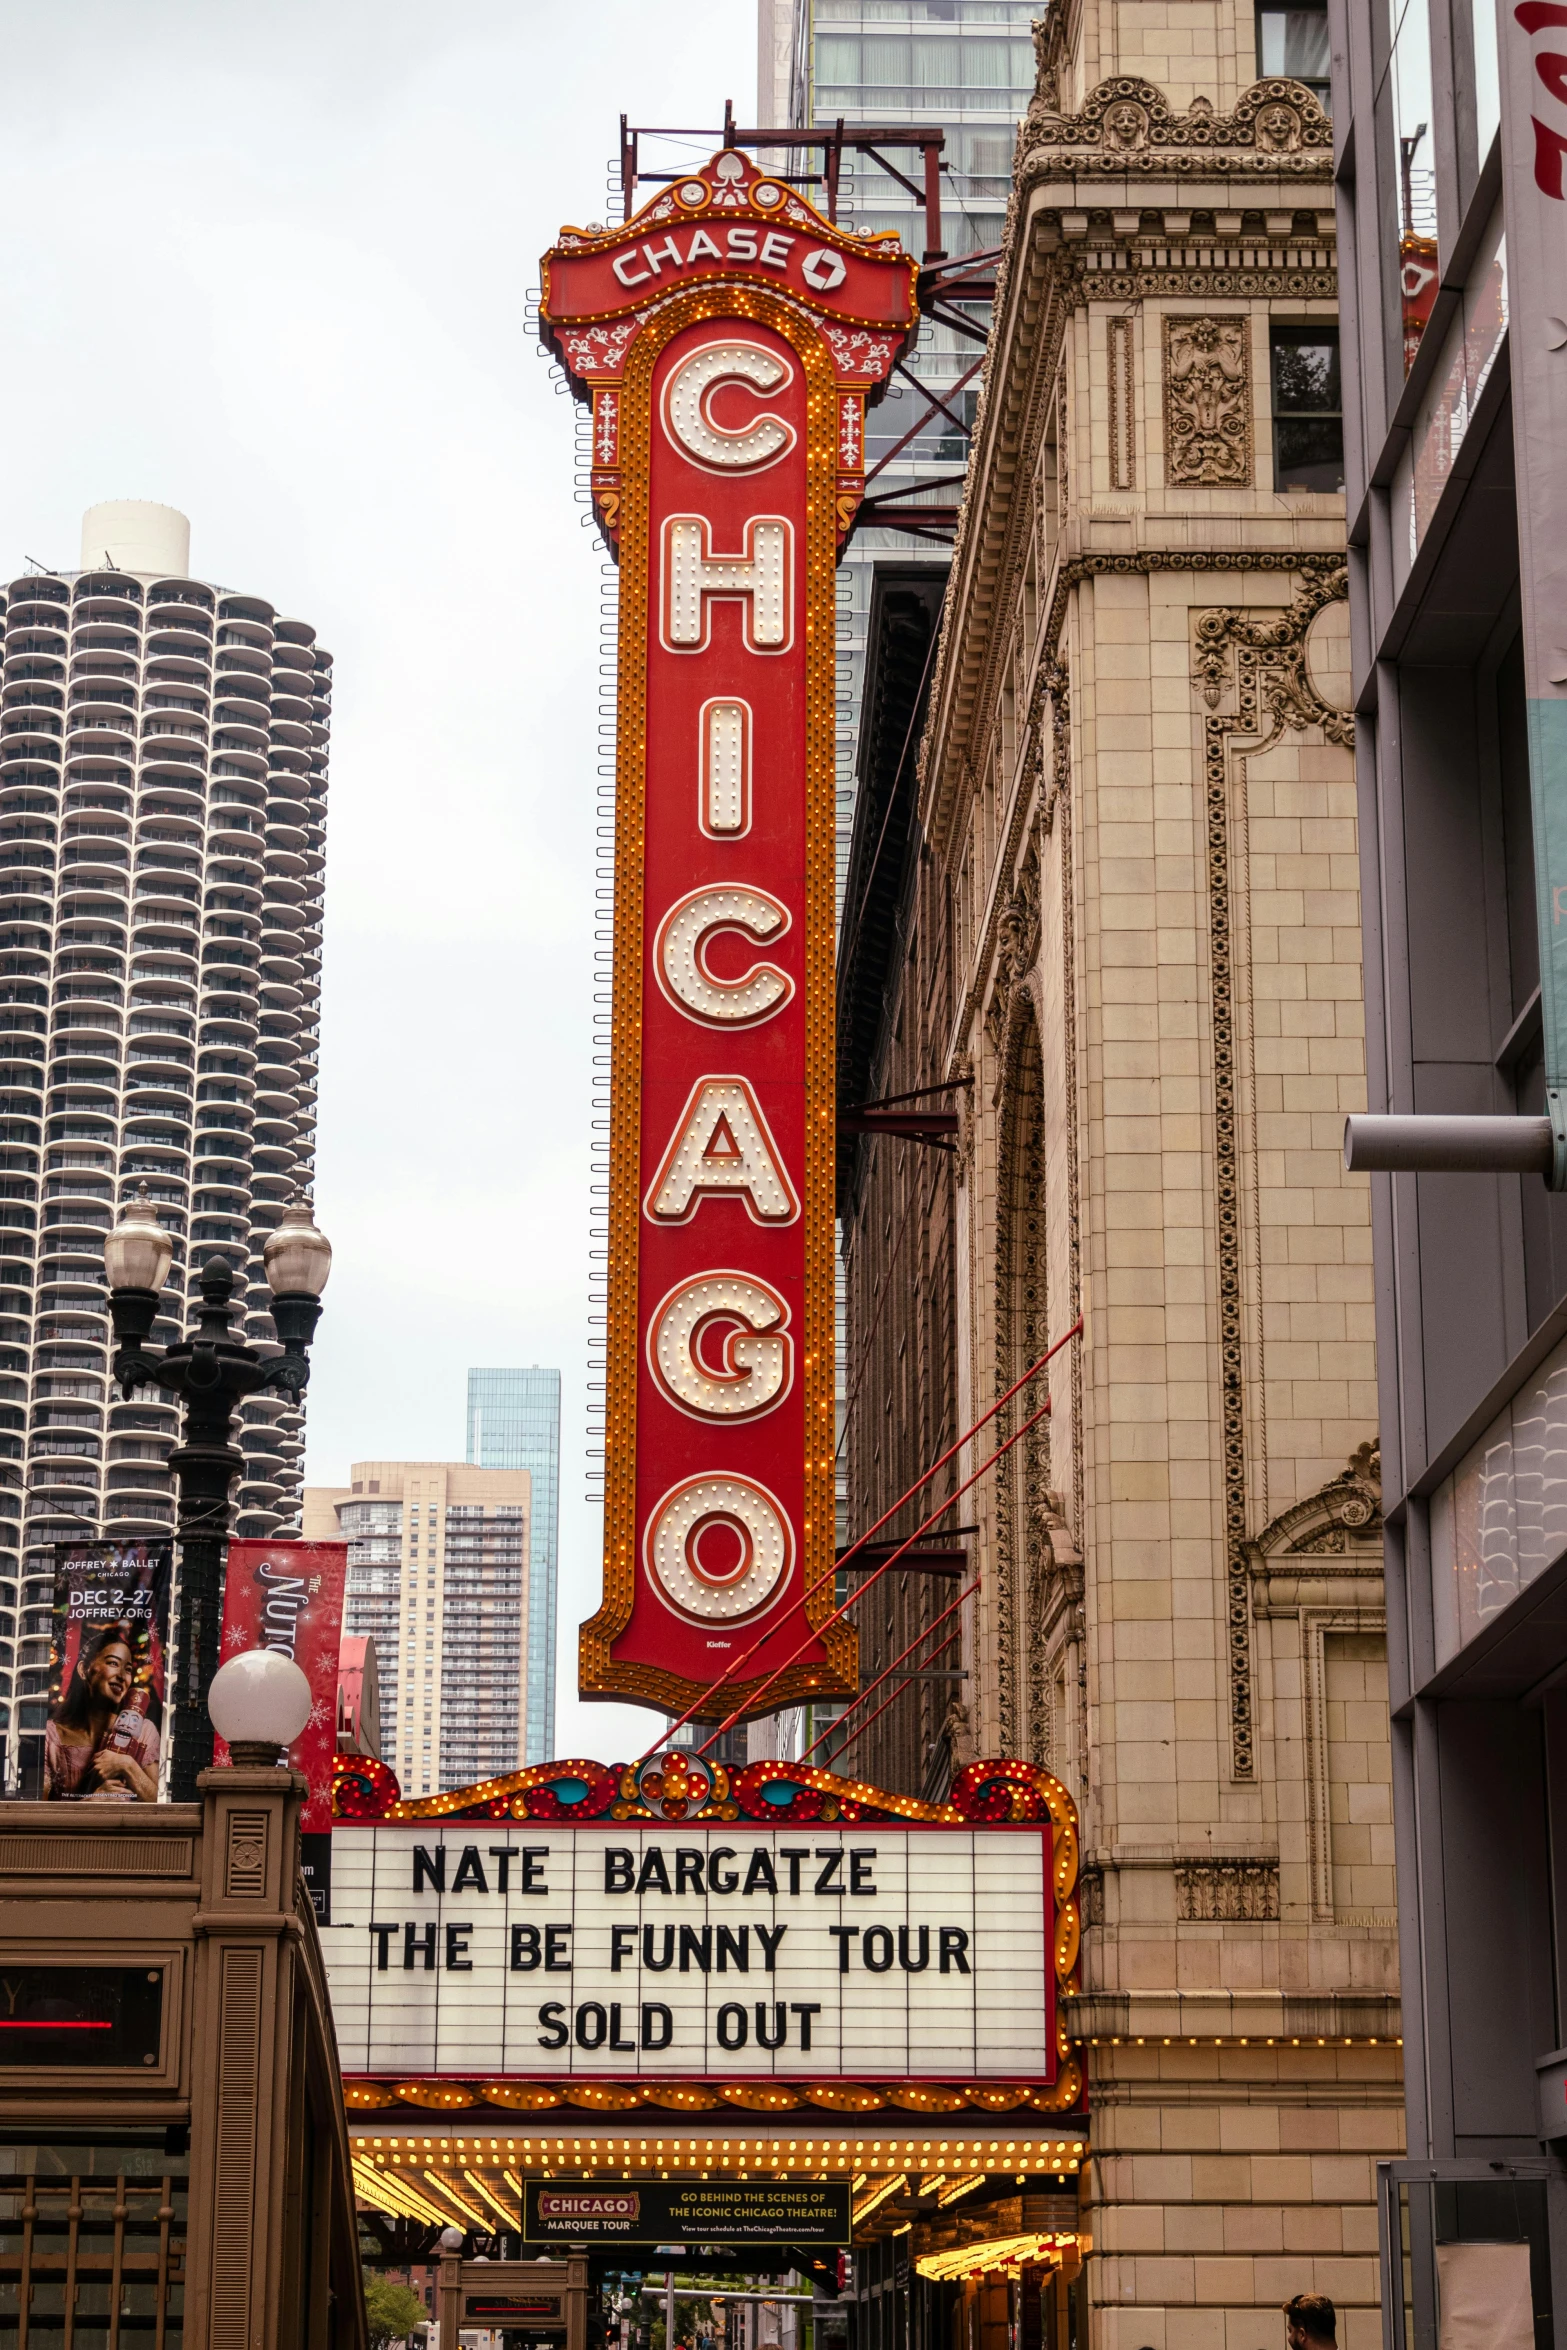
289	1596
728	338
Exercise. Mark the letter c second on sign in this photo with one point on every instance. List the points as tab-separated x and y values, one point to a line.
680	956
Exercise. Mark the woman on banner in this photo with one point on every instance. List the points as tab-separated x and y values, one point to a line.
102	1745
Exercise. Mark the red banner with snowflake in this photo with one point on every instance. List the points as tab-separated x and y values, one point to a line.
289	1595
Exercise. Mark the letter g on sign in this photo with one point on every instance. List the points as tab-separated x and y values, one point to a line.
688	418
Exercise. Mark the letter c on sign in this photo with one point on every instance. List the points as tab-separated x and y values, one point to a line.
688	418
680	956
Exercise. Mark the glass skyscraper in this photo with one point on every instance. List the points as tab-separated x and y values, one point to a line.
969	66
514	1423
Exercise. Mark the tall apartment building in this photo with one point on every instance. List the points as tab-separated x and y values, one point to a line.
438	1578
514	1423
1116	913
163	764
967	66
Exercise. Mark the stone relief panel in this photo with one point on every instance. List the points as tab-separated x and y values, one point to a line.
1207	401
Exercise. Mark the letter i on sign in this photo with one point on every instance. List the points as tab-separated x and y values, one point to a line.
724	477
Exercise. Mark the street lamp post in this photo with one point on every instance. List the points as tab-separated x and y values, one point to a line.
214	1372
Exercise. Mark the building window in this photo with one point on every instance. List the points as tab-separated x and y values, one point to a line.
1294	41
1308	409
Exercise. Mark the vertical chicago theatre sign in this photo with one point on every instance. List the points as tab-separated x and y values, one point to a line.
728	339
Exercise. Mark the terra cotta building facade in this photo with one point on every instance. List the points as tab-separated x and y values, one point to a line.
1116	912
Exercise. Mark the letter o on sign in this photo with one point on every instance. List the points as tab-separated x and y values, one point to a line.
731	2025
719	1547
823	269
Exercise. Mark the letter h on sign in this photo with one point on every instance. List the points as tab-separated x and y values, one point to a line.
760	576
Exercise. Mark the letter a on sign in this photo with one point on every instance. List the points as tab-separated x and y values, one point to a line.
728	339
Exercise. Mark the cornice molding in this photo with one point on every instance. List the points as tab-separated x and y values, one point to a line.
1127	128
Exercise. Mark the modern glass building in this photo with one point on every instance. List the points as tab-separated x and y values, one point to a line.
967	65
1453	230
514	1423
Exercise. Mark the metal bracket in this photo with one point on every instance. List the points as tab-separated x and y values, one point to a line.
1556	1174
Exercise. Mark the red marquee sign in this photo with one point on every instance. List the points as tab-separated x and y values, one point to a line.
728	338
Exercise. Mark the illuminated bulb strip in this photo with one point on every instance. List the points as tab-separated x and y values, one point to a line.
1001	2252
879	2195
401	2202
858	2155
956	2189
438	2182
397	2193
509	2219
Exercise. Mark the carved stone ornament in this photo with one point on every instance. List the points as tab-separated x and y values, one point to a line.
1257	668
1127	124
1231	1892
1207	401
958	1730
1017	940
1282	670
963	1102
1017	943
1342	1520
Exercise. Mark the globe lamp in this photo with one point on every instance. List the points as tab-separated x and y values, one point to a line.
259	1701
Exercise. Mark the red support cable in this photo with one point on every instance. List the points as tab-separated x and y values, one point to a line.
865	1725
861	1540
872	1580
872	1688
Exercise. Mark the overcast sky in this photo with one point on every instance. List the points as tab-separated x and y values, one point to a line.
270	264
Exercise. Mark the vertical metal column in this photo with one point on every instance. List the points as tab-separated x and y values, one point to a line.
1535	196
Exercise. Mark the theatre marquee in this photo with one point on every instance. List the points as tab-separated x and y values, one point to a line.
516	1948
